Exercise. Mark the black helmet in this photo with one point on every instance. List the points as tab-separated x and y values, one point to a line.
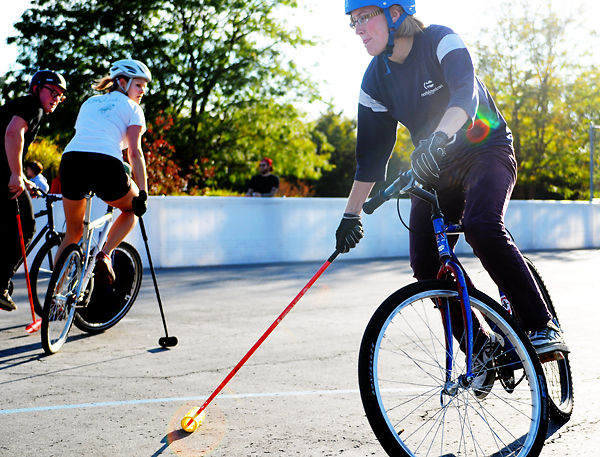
47	77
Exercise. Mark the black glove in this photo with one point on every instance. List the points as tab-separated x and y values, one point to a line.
349	233
140	203
425	159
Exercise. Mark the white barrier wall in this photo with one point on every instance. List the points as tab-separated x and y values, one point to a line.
203	231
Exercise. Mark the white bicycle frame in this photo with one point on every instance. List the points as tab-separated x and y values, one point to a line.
89	251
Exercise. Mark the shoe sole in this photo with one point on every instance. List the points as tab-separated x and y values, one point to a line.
551	356
8	306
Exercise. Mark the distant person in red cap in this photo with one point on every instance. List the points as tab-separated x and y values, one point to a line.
263	184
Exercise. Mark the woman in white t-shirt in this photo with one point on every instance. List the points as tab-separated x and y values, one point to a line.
106	125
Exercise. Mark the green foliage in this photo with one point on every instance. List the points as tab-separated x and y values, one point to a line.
223	193
336	136
219	70
548	98
165	176
48	154
231	146
223	93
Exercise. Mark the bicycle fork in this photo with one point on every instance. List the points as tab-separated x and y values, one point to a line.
450	266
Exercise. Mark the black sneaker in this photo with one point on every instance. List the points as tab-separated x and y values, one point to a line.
484	366
548	340
7	303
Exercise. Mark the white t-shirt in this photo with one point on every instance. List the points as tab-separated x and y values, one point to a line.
102	124
41	181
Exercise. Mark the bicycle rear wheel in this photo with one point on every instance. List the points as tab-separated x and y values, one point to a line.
109	304
59	305
41	270
402	380
558	372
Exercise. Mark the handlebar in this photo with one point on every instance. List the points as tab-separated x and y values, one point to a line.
47	195
404	184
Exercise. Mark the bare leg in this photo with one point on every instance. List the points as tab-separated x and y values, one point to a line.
74	215
124	223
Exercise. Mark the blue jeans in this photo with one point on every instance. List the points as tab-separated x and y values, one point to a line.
475	190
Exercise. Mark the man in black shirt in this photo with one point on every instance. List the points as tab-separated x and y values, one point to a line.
20	121
263	184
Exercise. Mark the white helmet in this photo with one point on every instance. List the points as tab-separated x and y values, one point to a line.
130	69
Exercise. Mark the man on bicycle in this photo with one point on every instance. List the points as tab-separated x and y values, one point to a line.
423	77
20	121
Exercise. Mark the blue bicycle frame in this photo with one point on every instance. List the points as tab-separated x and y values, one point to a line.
406	184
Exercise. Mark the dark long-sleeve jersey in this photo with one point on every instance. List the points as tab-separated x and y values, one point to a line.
437	74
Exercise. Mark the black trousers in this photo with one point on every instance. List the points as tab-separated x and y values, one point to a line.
10	244
475	190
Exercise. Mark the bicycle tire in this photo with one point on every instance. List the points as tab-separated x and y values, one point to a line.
60	301
559	379
401	373
41	271
109	304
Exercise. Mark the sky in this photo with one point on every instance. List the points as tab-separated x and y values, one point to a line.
339	61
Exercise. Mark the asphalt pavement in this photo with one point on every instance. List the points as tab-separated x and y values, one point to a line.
120	394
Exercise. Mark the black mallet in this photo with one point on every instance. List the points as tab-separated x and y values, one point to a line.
164	341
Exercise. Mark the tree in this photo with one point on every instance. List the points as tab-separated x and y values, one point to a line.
215	63
541	87
165	176
336	135
48	154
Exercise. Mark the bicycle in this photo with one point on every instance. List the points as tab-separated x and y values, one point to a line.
424	394
43	262
72	297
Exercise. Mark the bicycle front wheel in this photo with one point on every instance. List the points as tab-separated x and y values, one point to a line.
41	270
61	299
108	305
557	372
402	380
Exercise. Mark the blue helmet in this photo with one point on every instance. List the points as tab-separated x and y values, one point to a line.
407	5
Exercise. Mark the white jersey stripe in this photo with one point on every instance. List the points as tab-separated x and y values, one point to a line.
366	100
447	44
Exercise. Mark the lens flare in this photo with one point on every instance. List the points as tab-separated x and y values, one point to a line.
481	128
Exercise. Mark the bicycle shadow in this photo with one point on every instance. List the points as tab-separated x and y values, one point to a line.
553	427
19	355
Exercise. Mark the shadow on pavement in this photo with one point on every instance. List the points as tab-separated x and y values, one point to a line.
168	439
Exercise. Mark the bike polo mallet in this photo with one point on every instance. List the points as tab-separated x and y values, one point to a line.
164	341
196	415
35	324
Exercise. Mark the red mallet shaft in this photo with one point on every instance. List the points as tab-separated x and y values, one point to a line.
233	372
35	324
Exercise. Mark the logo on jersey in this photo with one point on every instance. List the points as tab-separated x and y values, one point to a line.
430	88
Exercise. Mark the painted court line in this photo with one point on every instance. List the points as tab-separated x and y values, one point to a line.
172	400
104	404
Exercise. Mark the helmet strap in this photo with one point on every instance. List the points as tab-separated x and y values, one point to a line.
392	27
126	88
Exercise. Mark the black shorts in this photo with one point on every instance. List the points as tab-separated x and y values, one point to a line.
84	172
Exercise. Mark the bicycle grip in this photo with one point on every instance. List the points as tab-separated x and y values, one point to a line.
370	206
